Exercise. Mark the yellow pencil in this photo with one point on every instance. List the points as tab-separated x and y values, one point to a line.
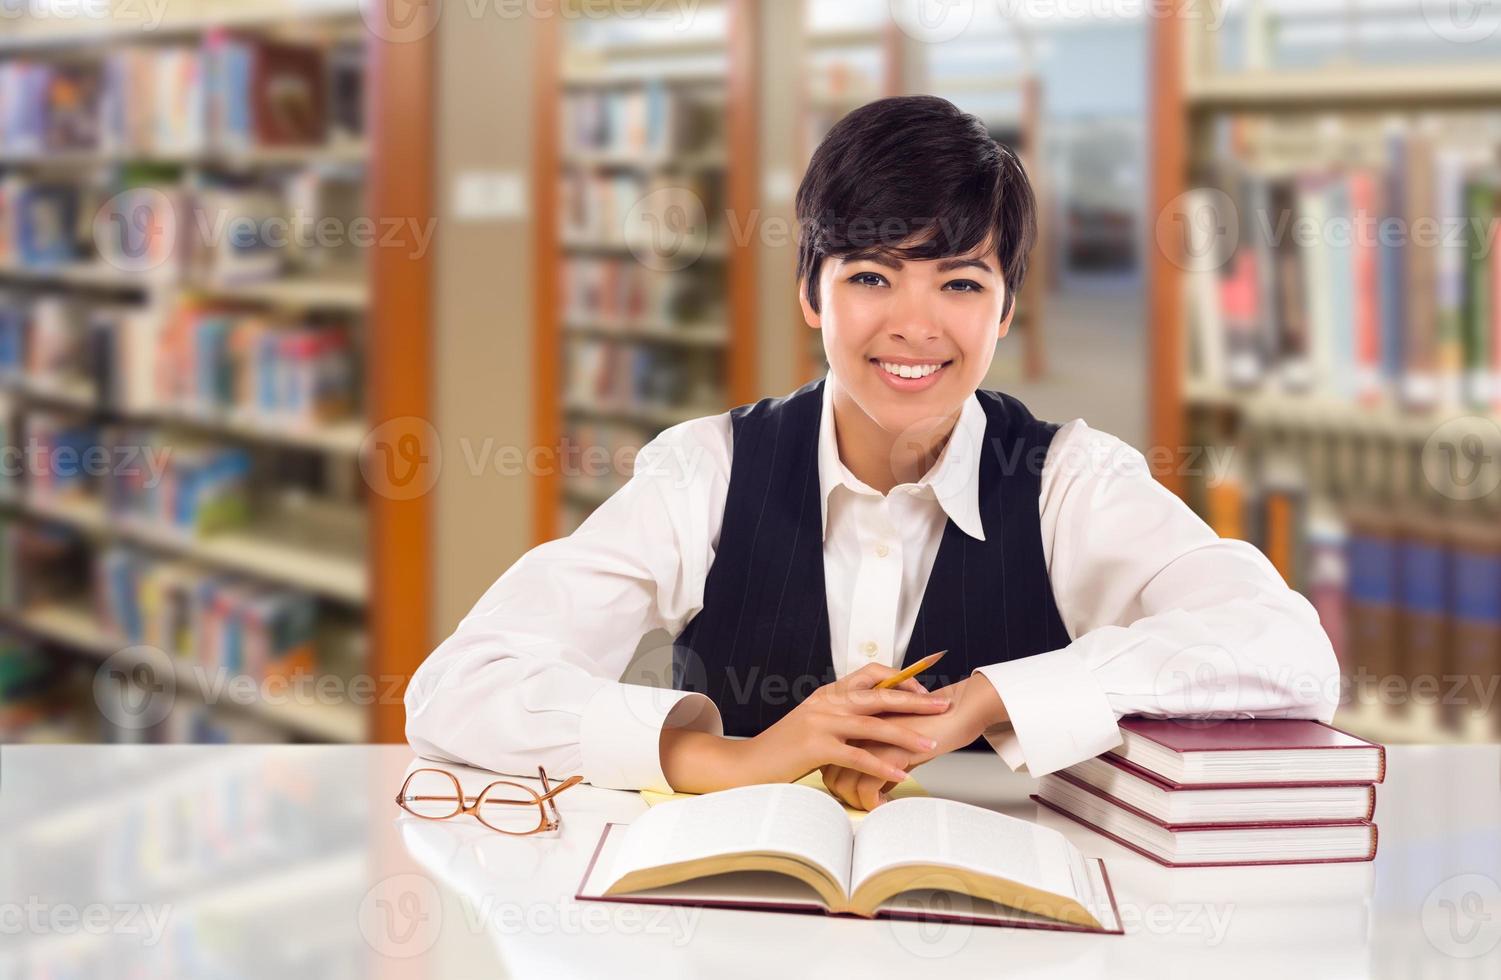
908	673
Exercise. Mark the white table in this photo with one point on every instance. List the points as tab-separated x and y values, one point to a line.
293	862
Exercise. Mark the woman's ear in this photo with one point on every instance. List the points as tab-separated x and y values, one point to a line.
811	316
1006	322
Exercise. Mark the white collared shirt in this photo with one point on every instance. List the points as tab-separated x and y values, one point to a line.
1165	616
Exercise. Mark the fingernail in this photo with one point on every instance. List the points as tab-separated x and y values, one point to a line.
941	702
897	774
930	743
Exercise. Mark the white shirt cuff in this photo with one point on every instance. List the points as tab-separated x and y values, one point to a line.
1058	713
621	733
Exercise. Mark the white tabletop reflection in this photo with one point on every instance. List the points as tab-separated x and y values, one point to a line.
294	861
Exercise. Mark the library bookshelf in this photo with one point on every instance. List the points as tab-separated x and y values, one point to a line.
646	304
341	545
1351	380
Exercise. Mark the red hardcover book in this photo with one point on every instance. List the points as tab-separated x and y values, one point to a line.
1206	845
1210	803
1241	752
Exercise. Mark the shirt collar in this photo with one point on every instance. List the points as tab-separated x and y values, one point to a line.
953	480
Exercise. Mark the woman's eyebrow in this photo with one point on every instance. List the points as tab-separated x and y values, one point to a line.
874	255
949	264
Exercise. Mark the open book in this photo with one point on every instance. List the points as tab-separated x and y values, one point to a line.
792	848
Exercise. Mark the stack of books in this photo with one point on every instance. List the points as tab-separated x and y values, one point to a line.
1212	793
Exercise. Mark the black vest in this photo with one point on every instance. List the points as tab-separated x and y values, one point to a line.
760	644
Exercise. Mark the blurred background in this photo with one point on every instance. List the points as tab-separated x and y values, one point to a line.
315	315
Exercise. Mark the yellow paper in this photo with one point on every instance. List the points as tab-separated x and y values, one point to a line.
905	788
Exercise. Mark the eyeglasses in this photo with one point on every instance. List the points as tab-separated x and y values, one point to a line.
510	808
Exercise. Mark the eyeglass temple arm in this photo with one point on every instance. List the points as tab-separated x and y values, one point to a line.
570	781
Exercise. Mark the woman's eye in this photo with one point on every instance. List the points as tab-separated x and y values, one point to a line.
965	286
868	279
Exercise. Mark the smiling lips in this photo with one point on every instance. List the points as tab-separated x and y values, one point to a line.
910	375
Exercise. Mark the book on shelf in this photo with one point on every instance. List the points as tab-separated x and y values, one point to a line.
178	95
265	93
1423	601
59	454
615	292
232	92
231	238
792	848
23	100
650	121
346	90
43	564
29	687
186	488
1367	281
606	374
220	622
38	222
1205	845
72	107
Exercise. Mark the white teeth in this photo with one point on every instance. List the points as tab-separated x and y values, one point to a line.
909	370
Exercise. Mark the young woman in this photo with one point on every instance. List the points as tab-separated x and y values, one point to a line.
802	548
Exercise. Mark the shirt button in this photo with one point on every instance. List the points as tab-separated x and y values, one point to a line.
869	648
882	551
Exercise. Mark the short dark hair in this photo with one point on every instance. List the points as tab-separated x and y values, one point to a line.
914	169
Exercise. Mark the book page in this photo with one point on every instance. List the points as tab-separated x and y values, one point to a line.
927	831
779	818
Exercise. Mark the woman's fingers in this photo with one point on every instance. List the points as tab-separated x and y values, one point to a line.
872	674
907	702
872	729
866	761
867	677
841	783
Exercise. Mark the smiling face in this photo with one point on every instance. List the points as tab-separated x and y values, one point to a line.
910	340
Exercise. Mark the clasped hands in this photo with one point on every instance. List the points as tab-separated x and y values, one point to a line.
863	740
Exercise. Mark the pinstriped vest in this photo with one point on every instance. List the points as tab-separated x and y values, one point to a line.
760	644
